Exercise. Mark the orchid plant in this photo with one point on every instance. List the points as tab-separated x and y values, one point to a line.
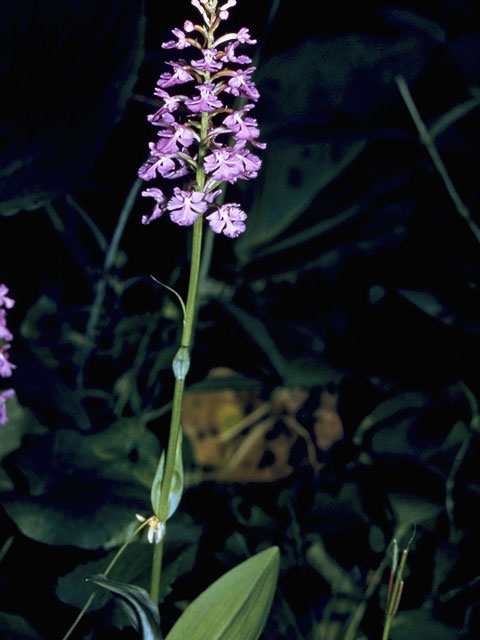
203	139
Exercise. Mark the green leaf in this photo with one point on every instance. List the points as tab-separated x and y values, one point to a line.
131	567
140	609
429	303
14	627
293	240
340	580
390	410
420	625
294	173
452	116
236	606
413	22
49	156
83	513
176	488
361	84
411	510
174	566
305	154
86	489
259	333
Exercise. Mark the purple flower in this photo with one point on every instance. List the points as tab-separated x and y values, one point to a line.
170	104
167	166
222	164
209	62
4	332
181	42
179	76
250	163
5	395
230	54
206	100
175	138
5	301
186	206
243	36
159	208
241	85
244	128
6	367
193	127
228	219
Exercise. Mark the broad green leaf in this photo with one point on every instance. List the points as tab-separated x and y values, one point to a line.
85	512
420	625
236	606
293	240
175	566
259	334
21	421
112	448
14	627
429	303
386	411
133	566
176	488
140	609
340	580
84	489
351	74
411	510
413	22
452	116
293	174
305	154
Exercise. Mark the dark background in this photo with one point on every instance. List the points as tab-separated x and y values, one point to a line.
356	273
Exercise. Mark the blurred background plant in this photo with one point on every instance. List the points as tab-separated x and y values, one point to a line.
356	275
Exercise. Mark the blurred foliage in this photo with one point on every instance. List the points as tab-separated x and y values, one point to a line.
356	272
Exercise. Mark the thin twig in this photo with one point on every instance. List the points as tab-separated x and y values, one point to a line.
96	232
427	140
101	285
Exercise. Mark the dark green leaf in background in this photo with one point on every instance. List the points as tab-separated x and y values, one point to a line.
350	75
67	72
96	489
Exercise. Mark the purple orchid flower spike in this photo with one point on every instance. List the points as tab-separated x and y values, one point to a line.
200	133
6	367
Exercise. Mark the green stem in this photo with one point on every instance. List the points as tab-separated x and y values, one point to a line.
393	602
105	573
182	359
156	571
429	143
175	426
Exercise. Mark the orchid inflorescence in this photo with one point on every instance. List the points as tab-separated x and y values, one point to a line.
6	367
200	135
